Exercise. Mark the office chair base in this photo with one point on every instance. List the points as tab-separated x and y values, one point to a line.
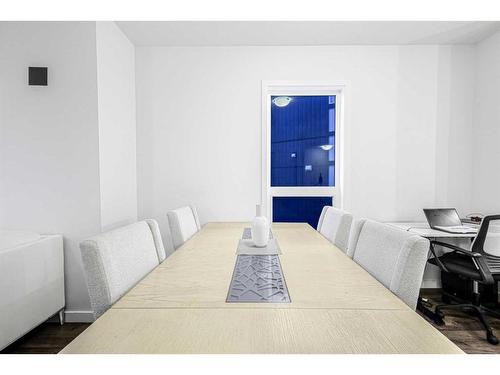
478	310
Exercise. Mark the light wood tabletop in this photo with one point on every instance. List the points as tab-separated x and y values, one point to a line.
336	306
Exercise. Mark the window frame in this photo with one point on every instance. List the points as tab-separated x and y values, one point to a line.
286	88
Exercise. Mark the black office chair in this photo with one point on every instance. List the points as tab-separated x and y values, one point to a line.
477	264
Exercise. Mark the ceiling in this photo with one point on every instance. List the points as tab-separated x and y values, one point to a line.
304	33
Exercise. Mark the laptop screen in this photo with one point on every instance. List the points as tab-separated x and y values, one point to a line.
443	217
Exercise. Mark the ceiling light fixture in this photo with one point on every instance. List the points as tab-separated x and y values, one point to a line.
326	147
282	101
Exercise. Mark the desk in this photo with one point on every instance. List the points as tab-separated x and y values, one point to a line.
336	307
432	275
423	229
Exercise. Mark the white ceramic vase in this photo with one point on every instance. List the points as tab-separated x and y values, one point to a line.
260	229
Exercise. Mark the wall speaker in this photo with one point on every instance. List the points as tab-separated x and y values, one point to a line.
37	76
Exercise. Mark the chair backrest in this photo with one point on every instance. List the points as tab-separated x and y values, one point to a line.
335	225
394	257
184	223
487	240
116	260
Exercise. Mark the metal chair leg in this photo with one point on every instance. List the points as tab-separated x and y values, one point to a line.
460	304
61	316
490	336
491	312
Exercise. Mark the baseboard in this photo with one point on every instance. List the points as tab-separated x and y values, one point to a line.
75	316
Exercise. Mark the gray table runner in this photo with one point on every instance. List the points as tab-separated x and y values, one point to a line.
257	275
258	278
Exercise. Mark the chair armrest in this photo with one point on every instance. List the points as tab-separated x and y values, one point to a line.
438	261
477	258
484	270
457	249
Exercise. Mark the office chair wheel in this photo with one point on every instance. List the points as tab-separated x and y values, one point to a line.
492	339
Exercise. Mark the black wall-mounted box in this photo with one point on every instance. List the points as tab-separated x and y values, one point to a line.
37	76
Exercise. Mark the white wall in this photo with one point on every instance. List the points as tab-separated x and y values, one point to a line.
67	150
49	153
198	125
117	132
486	159
453	152
456	90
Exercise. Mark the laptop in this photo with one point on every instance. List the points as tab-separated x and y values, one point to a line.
447	220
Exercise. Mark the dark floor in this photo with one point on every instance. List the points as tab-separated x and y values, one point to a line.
48	338
465	331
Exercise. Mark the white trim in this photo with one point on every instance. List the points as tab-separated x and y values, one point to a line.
303	191
76	316
292	88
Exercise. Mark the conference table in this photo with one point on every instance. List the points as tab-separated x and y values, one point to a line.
336	306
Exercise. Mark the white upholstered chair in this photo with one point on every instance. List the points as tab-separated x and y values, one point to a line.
394	257
116	260
184	223
335	225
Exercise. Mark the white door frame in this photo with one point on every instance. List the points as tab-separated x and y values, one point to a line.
288	88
